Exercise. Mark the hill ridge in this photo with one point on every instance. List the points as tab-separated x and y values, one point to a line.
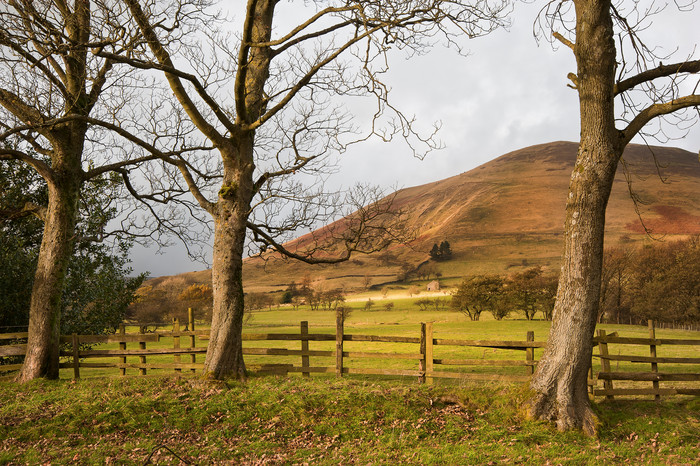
509	213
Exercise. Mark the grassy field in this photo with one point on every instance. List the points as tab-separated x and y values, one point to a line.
172	419
270	420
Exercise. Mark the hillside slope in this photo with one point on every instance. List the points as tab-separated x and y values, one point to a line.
509	213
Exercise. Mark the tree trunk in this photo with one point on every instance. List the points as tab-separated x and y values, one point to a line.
560	382
225	350
45	307
64	178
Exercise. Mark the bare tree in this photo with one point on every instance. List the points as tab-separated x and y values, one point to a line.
614	65
616	274
56	97
48	81
477	294
268	105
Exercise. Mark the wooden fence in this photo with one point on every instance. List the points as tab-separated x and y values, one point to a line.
425	358
653	375
420	353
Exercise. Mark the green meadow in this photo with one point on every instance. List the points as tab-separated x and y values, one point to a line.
278	420
179	418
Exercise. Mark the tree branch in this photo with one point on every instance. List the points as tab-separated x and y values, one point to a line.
371	228
658	72
178	89
653	111
33	209
155	153
23	112
563	40
30	20
239	87
259	233
299	163
29	208
40	166
301	83
34	61
170	70
98	84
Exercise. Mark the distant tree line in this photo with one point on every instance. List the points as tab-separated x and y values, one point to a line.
430	304
659	282
316	297
162	300
527	292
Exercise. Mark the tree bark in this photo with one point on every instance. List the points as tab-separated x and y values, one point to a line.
560	382
56	249
225	350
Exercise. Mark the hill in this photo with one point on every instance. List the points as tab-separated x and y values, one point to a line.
509	213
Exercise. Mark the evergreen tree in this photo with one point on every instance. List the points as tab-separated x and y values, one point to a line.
445	251
98	288
442	252
435	252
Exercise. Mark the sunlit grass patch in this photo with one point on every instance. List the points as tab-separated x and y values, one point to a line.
321	421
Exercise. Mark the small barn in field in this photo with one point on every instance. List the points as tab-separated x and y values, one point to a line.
433	286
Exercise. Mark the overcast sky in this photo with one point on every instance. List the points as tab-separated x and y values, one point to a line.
509	93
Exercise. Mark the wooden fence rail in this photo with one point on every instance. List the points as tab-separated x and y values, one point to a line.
427	366
653	375
434	358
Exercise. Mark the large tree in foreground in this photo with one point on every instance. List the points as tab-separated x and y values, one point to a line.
54	89
48	82
614	67
267	103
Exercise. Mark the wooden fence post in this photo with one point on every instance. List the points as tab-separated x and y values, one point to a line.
605	363
305	348
654	365
190	325
339	333
530	353
176	342
142	345
122	346
426	352
76	357
422	360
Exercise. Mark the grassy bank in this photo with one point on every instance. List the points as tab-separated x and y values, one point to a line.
320	421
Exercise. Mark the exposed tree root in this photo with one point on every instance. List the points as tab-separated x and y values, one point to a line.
563	406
